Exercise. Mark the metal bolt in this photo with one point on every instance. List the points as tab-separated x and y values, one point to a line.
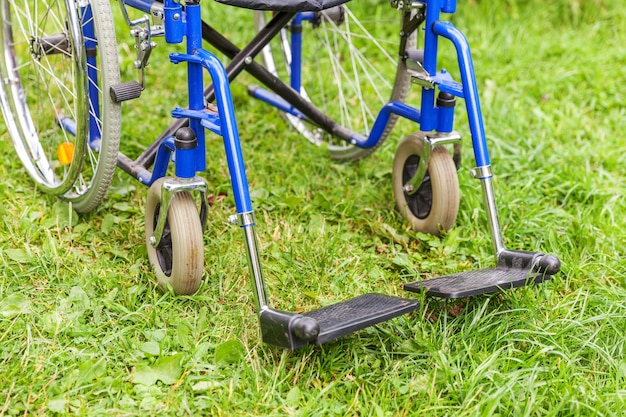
407	188
248	60
176	16
152	240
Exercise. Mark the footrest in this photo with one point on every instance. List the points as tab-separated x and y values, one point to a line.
331	322
515	269
468	284
343	318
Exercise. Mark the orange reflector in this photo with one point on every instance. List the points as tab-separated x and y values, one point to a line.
65	152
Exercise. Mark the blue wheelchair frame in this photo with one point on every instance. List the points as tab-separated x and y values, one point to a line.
185	25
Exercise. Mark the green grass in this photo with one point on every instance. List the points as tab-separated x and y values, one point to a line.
84	329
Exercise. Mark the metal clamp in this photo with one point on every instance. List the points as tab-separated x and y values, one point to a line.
143	32
170	187
242	219
481	172
418	74
428	145
407	5
156	12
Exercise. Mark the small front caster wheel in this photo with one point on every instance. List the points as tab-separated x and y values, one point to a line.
434	206
178	259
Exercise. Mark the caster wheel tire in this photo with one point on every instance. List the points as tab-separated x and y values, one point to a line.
434	207
178	260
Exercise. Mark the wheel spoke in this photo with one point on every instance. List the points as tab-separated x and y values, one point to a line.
350	70
46	95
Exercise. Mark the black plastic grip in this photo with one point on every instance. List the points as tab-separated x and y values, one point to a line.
125	91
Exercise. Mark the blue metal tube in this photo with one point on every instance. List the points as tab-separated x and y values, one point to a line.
230	133
185	163
276	101
470	90
296	59
195	83
92	75
69	125
400	109
174	21
296	48
143	5
431	43
161	162
446	119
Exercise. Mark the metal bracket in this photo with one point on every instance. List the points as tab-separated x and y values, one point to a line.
419	75
144	46
143	32
481	172
407	5
242	220
428	145
156	12
172	186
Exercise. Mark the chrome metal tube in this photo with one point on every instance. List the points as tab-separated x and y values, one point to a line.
246	222
492	214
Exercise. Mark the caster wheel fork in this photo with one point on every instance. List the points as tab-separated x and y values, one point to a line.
431	206
176	253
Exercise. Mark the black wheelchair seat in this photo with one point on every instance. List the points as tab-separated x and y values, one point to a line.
285	5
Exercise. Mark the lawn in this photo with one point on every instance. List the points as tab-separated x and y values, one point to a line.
85	330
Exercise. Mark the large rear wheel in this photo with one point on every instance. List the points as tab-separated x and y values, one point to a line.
350	69
58	61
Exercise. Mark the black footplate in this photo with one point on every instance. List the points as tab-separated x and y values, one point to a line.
515	269
331	322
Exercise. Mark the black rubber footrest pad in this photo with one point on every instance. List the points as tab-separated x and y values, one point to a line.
343	318
484	281
125	91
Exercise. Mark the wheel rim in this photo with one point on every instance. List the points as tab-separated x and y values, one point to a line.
43	82
164	250
54	98
420	203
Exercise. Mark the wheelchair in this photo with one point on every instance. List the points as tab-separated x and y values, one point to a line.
325	69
